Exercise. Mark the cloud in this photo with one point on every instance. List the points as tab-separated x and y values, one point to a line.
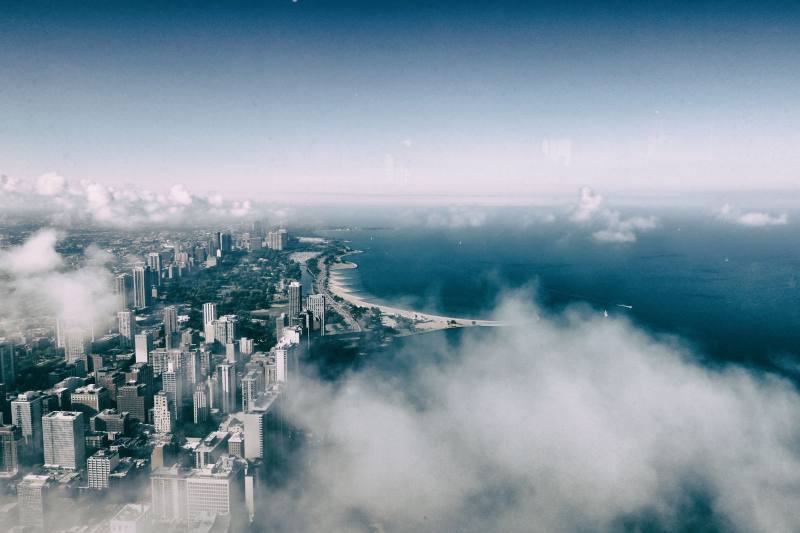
51	184
729	213
456	217
36	255
34	282
613	227
92	202
572	423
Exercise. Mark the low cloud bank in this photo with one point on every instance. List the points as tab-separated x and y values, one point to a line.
571	423
93	202
756	219
34	282
608	225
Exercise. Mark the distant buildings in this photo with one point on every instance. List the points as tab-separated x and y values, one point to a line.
64	445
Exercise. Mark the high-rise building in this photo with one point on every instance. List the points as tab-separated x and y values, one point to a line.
209	317
144	345
226	377
277	240
225	329
9	450
90	400
316	304
154	264
170	320
281	321
26	414
135	400
132	518
163	418
99	466
295	300
140	373
8	371
173	381
77	345
200	404
34	494
126	325
112	421
168	492
246	346
141	286
123	287
225	243
252	387
64	444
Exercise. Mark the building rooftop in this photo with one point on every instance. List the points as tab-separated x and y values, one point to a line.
63	415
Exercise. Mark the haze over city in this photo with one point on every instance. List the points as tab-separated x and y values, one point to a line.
399	266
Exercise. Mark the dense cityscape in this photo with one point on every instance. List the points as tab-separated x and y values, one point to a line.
169	412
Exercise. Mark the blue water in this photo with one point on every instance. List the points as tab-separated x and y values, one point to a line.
733	292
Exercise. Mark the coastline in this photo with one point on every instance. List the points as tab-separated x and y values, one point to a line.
422	321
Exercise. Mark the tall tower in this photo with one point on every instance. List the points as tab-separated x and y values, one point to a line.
154	263
141	285
126	325
200	404
316	304
8	371
123	287
9	451
26	414
64	443
162	415
172	381
144	345
295	300
77	345
226	376
170	320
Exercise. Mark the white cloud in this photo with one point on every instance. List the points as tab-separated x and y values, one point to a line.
570	424
51	184
613	227
36	255
90	201
729	213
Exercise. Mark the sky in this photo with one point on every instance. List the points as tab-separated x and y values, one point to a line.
260	99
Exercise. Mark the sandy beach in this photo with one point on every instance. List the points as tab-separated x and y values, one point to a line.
422	321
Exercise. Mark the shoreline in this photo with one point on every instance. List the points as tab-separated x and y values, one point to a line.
422	321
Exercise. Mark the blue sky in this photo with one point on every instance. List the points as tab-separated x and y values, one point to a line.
403	97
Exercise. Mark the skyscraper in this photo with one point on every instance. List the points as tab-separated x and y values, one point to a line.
226	376
154	264
99	466
144	345
225	242
126	325
316	304
173	381
200	404
8	371
170	320
64	444
225	329
123	287
135	400
33	498
77	345
162	414
26	414
141	285
10	437
295	300
209	312
277	240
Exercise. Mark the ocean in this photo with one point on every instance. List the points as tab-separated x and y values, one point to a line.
732	292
